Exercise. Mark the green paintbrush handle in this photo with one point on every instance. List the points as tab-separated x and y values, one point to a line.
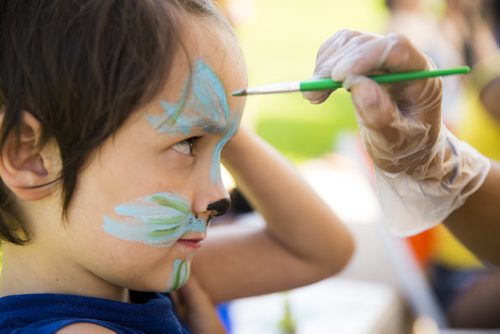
324	84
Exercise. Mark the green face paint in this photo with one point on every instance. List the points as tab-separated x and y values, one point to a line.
180	274
158	220
161	219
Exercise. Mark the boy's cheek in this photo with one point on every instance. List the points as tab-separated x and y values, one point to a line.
147	270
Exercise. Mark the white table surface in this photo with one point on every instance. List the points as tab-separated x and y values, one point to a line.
334	305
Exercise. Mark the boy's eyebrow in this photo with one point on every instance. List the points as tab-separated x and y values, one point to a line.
211	125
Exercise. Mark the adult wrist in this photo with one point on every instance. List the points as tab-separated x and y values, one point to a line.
415	202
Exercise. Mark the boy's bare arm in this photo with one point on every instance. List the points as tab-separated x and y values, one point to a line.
302	242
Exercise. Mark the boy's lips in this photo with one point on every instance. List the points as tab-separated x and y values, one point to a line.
191	242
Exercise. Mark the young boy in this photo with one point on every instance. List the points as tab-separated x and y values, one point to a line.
114	117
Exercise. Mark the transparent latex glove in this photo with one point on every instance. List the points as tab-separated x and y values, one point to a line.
423	172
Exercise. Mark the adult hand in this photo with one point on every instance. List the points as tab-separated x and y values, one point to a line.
399	121
423	172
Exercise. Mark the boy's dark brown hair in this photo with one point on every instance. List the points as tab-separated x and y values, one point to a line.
81	67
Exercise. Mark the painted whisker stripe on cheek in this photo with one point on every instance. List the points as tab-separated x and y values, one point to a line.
150	220
141	233
149	208
160	234
172	202
165	221
163	233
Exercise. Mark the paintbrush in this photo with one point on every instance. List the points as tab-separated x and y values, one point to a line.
328	84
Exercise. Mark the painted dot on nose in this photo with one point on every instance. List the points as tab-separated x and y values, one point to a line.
219	207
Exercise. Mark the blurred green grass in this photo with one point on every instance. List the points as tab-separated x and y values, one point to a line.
280	44
301	131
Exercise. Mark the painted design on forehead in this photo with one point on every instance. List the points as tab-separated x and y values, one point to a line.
206	107
158	220
202	103
180	274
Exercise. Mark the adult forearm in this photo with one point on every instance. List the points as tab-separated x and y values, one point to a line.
490	98
477	222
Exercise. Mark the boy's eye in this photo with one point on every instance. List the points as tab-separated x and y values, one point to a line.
186	146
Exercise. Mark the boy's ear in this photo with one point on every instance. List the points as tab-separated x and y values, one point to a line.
28	170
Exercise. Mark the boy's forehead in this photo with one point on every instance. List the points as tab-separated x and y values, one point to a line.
203	74
213	43
202	104
209	58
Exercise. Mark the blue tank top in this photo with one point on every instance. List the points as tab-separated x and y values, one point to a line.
48	313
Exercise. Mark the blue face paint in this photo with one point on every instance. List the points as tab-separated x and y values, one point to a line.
180	274
206	107
216	155
158	220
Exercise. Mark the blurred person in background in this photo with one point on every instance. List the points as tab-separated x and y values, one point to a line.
423	26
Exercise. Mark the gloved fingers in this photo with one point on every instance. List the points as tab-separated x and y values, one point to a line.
391	140
336	40
349	53
317	97
391	53
420	99
423	172
330	52
374	107
337	49
396	141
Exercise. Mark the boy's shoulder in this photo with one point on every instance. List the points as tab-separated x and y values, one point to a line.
66	314
83	327
68	326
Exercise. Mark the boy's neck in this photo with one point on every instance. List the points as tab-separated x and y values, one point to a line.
24	271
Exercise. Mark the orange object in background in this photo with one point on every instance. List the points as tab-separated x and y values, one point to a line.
422	245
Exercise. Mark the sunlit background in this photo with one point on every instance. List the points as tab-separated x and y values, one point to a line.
280	39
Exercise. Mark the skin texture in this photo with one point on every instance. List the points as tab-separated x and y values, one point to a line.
302	242
476	223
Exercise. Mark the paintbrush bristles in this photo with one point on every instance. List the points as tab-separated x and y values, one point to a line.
240	92
283	87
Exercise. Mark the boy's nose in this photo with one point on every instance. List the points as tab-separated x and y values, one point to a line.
210	199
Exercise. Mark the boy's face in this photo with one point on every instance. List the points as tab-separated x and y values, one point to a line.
140	207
